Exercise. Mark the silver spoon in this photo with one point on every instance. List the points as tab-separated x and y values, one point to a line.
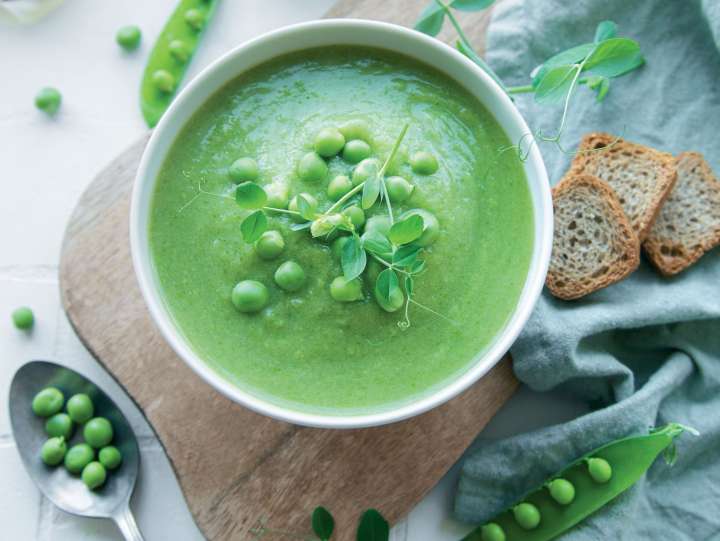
63	489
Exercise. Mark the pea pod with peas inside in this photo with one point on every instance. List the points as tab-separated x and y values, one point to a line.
171	56
580	489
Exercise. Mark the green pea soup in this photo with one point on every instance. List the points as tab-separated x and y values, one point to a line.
305	350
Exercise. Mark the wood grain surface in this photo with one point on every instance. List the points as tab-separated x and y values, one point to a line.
237	469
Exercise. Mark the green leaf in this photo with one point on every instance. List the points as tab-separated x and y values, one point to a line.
305	209
377	243
406	255
253	226
470	5
353	258
614	57
300	227
386	284
574	55
373	527
417	267
431	19
371	190
323	523
409	285
326	224
555	85
407	230
605	30
250	196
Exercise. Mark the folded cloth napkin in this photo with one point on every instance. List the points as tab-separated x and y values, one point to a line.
645	351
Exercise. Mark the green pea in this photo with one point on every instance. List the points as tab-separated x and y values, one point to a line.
78	456
290	276
379	223
363	170
277	196
250	296
23	318
243	170
338	187
94	475
431	226
355	129
98	432
562	491
128	37
59	425
179	50
270	245
343	290
492	532
48	100
110	457
356	215
527	515
164	81
396	301
398	189
337	246
328	142
355	151
80	408
48	402
599	469
423	163
195	19
53	451
312	168
294	205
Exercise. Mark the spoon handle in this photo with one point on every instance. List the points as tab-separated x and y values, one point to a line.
126	522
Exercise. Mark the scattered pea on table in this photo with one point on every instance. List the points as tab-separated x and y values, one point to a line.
48	402
250	296
290	276
48	100
80	408
98	432
23	318
356	151
94	475
329	142
423	163
128	37
270	245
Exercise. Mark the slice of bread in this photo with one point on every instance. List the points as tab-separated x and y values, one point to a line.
594	243
641	177
688	225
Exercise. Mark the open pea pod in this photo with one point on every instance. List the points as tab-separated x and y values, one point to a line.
171	56
629	458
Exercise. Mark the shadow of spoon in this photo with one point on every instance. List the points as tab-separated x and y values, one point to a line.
65	490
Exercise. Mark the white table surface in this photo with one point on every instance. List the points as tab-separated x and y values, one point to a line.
45	164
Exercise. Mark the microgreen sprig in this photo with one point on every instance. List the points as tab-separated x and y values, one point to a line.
591	64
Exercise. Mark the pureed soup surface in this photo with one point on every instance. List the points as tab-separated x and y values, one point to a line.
305	350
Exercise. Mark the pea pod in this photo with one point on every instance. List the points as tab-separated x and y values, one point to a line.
171	56
628	459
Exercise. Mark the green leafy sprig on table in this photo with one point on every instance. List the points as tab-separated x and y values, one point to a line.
592	64
396	251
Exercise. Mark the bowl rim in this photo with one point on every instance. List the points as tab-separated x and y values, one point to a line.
455	384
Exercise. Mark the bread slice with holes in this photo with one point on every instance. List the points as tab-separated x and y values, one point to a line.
594	243
688	224
642	177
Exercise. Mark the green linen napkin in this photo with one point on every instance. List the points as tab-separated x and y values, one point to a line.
647	350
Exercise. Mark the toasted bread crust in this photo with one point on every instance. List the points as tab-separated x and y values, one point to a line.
590	159
625	250
673	255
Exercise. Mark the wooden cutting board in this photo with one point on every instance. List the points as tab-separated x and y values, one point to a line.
238	469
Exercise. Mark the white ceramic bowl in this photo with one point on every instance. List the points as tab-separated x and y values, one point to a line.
332	33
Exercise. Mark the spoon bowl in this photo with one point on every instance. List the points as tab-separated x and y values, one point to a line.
65	490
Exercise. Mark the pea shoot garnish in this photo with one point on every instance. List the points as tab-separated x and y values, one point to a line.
591	64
